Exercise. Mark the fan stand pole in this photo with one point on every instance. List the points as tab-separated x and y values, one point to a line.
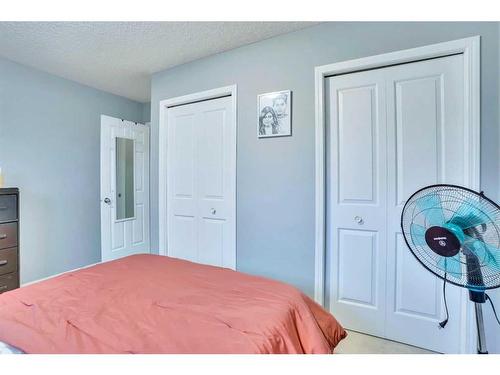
481	337
475	277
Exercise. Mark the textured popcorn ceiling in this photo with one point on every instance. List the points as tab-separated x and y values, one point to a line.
119	57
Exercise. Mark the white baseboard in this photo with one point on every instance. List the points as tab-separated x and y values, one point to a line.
58	274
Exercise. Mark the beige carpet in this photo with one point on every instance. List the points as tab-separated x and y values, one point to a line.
359	343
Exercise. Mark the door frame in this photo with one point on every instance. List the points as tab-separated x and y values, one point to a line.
470	48
163	145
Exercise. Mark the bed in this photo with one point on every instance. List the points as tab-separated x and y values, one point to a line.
155	304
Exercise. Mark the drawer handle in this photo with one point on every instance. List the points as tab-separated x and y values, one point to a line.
3	236
3	287
3	208
3	263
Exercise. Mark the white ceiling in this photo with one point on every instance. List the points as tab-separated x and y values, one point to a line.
119	57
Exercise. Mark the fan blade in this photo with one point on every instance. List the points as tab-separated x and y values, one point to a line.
417	233
487	254
470	214
452	266
431	208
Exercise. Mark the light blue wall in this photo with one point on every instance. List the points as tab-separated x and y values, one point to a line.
49	148
275	183
146	112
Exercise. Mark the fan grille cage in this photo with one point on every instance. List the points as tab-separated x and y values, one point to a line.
457	205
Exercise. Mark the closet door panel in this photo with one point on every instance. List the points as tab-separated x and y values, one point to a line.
425	137
356	201
357	150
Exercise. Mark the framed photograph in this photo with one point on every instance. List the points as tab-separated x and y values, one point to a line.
274	112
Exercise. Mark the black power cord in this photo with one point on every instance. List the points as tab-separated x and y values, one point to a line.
493	308
444	322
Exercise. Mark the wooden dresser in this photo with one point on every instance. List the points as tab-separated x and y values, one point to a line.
9	239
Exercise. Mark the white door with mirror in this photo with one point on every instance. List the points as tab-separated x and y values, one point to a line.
124	188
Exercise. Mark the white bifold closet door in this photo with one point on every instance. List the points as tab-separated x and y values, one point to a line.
201	183
391	131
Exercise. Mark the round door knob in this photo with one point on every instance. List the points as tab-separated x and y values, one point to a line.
358	219
107	200
213	211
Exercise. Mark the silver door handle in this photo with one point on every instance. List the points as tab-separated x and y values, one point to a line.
3	236
358	219
213	211
107	200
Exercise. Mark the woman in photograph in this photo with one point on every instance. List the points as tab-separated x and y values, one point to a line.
268	122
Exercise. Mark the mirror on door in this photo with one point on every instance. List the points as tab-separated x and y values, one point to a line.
124	178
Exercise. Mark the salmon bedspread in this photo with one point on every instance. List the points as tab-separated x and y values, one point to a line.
156	304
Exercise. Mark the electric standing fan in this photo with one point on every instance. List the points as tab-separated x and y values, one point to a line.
454	232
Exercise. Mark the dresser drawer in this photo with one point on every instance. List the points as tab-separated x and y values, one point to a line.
8	207
8	282
8	235
8	260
